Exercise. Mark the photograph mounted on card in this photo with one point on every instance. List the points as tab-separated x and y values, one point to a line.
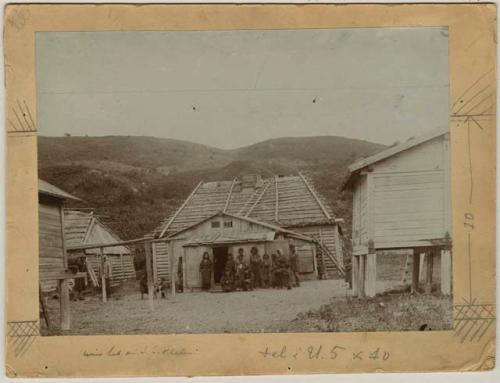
304	192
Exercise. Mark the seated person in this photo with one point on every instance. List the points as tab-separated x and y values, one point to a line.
162	287
228	279
247	279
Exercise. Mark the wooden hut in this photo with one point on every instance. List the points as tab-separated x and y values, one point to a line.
52	251
223	234
53	262
401	200
84	228
285	202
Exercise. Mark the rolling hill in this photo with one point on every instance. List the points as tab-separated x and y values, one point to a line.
134	182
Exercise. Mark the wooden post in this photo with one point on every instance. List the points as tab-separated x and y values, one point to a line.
324	276
423	266
445	272
355	274
43	306
184	273
149	273
171	264
64	304
416	271
122	268
153	256
212	279
430	264
361	276
65	320
315	263
371	274
103	278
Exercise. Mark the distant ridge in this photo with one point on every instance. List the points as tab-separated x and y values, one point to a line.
134	181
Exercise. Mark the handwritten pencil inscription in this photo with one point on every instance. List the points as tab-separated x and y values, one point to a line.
319	352
114	351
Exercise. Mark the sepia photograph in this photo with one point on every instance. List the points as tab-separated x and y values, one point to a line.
245	181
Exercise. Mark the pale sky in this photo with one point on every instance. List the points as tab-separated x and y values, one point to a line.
234	88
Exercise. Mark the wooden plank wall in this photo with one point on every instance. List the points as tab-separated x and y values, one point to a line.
306	253
192	265
325	233
411	195
360	213
408	206
162	261
363	213
51	261
122	267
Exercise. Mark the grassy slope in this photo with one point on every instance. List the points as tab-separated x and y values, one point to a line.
135	182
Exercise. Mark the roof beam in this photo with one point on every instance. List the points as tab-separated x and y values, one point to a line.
229	196
315	196
90	226
180	209
247	202
104	245
258	199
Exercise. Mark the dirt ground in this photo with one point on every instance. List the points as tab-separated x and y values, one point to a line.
314	306
198	312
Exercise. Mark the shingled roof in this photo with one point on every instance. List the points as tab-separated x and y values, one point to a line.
287	201
83	228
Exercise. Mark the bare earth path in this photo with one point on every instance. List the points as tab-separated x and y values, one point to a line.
201	312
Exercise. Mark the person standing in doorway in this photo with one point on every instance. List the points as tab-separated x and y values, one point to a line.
284	270
273	273
240	269
230	264
180	276
294	266
206	271
255	264
265	270
228	281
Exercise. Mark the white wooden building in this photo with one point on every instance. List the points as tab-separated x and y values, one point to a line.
224	234
284	202
401	199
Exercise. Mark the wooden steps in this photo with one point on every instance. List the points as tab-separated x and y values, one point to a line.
332	267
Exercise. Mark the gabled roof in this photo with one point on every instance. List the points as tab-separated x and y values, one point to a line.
285	201
82	228
362	163
48	189
77	225
389	152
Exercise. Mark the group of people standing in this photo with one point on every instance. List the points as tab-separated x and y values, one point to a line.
277	271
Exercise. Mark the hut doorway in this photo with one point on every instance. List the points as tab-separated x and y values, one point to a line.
220	259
